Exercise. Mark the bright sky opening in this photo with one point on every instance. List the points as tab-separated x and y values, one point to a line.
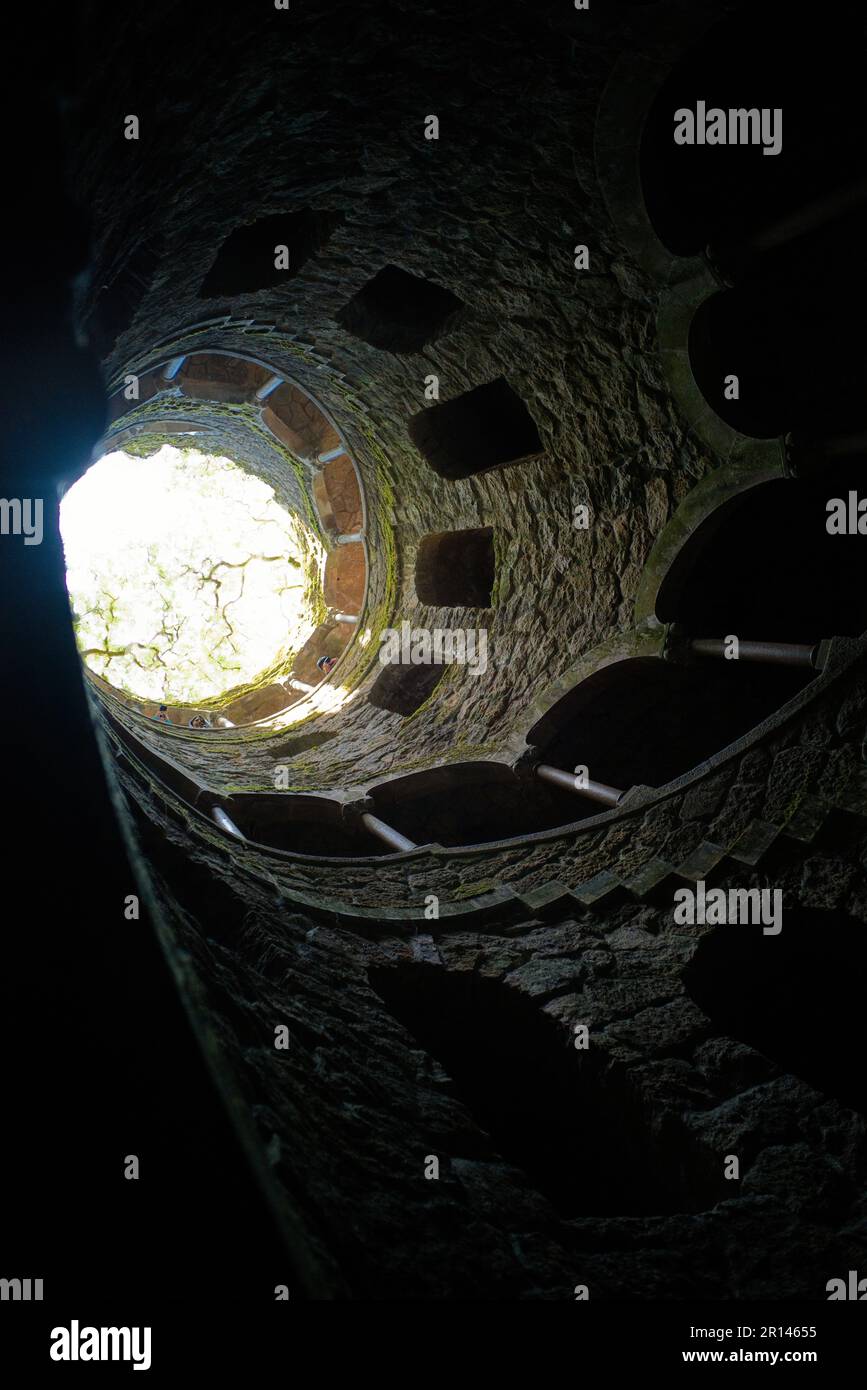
186	577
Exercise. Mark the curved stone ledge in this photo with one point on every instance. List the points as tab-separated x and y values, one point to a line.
586	857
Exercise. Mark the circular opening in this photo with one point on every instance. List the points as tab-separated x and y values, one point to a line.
189	583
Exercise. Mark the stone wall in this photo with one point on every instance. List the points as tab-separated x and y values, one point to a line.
665	1084
576	347
406	1032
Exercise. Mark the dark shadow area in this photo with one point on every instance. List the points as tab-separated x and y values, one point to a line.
758	58
455	568
786	229
484	428
578	1134
403	689
764	566
398	312
118	301
798	997
645	720
163	768
791	331
101	1061
471	804
245	261
298	825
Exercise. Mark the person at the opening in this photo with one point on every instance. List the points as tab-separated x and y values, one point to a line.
163	715
326	664
199	721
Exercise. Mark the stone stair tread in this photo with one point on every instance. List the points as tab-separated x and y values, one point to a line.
549	901
649	877
754	842
702	861
545	894
600	886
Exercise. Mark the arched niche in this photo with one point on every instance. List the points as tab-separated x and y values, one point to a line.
645	721
757	462
345	578
339	481
576	1129
763	565
784	350
723	194
299	422
300	824
329	639
474	803
217	376
796	997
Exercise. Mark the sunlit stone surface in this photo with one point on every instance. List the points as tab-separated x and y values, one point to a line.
186	577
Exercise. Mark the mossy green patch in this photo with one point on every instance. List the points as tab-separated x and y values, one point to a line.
474	890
